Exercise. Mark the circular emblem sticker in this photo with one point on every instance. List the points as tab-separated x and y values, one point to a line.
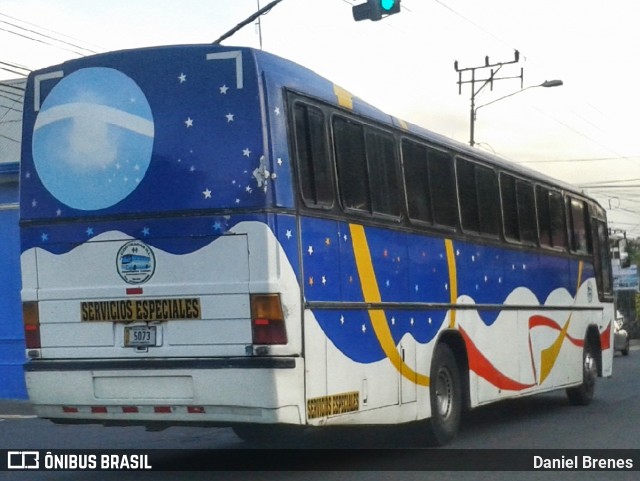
136	262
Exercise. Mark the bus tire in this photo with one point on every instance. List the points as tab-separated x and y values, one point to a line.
445	394
582	394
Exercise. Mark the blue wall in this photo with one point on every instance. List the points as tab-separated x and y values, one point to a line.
12	355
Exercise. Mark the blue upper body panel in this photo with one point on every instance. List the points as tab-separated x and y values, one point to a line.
144	131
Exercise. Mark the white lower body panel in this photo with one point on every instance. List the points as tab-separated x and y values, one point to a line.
271	392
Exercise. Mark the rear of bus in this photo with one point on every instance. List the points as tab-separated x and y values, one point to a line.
155	289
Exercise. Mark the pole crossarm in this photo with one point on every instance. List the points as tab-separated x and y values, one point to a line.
495	68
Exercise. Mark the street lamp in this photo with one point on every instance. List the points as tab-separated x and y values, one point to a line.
474	109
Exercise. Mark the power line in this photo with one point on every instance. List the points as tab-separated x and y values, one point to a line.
41	41
60	36
478	26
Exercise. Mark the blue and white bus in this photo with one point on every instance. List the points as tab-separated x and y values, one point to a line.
312	260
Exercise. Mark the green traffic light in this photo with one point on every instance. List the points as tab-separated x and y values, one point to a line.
387	4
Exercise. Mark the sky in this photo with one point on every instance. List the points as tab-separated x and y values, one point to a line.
583	132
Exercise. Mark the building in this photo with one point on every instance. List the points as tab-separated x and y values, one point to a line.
11	332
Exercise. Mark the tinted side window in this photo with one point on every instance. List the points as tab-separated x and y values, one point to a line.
551	225
509	207
557	219
544	216
518	209
442	182
416	175
488	200
526	212
383	173
352	164
603	261
468	195
580	239
312	155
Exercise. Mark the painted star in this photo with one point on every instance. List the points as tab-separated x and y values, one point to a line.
310	250
229	117
44	237
182	77
189	122
246	152
289	234
207	193
276	111
223	89
145	231
89	231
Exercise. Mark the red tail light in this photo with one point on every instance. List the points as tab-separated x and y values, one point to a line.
267	319
31	318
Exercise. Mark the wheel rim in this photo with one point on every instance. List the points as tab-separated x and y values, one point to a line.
444	392
590	370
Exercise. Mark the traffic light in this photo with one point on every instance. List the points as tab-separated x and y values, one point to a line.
375	9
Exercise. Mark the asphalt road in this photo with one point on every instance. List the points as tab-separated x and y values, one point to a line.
612	421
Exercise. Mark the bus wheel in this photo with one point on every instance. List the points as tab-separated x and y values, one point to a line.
583	394
446	397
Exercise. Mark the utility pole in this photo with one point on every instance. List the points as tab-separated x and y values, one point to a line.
495	68
247	21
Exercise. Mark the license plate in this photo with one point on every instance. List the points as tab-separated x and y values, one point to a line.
140	336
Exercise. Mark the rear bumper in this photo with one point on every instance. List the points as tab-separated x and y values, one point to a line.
169	391
146	364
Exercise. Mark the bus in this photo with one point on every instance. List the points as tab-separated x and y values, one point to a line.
309	260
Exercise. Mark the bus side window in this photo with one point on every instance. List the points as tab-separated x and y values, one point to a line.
603	261
580	235
442	182
465	173
488	200
509	207
312	156
551	222
383	173
416	176
544	215
352	164
558	221
526	212
518	209
431	189
478	191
